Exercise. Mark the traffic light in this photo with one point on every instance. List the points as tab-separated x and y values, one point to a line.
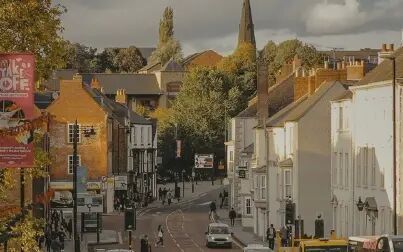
130	219
289	213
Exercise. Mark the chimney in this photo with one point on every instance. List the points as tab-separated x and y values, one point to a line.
391	47
338	66
262	94
121	96
311	84
343	65
384	49
326	64
296	63
95	83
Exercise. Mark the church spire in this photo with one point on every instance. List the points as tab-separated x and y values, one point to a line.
246	27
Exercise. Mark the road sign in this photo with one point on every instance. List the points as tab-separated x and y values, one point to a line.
120	182
87	203
204	161
242	173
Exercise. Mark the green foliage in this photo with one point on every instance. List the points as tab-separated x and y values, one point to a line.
168	47
166	30
33	26
129	60
26	233
81	57
278	55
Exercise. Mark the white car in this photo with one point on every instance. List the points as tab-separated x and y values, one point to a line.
218	234
256	248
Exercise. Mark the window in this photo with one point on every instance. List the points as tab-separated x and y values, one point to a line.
248	206
256	184
149	136
70	134
231	156
287	183
365	166
382	178
340	169
373	167
359	165
70	163
263	186
340	118
346	123
141	135
334	171
347	169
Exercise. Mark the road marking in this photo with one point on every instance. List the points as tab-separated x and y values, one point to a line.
205	203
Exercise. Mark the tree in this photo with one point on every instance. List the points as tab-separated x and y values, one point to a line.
129	60
81	57
168	47
278	55
33	26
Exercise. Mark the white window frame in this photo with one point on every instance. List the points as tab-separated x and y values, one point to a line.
70	163
373	167
347	169
287	185
341	119
359	167
141	135
149	136
334	172
341	172
365	166
256	186
231	156
70	133
248	206
263	187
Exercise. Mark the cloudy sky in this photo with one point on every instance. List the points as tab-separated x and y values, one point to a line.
213	24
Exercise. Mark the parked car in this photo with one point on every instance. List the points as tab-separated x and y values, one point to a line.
256	248
389	243
217	235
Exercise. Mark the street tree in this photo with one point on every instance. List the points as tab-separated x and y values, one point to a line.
129	60
34	26
81	57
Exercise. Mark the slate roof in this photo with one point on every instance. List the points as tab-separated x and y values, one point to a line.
53	83
384	71
43	100
115	109
151	67
279	95
134	84
172	66
346	95
299	108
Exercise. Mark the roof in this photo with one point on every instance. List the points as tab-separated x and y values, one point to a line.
249	149
117	110
345	96
53	83
151	67
279	95
193	56
43	99
299	108
384	71
172	66
362	54
134	84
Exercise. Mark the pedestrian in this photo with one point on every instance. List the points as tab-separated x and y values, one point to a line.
169	198
61	239
270	235
160	234
48	239
144	246
70	227
232	216
284	236
213	208
160	193
221	196
55	245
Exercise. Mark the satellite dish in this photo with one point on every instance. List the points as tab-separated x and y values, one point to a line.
55	95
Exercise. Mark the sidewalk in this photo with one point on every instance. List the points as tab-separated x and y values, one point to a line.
242	235
105	237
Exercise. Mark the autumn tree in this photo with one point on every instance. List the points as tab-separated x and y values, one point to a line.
81	57
129	60
33	26
168	47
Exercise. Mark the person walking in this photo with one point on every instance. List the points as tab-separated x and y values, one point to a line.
70	227
270	235
169	198
55	245
160	236
232	216
160	194
144	246
48	239
61	238
213	208
221	197
284	236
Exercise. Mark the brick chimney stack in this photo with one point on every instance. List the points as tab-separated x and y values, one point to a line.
121	96
386	50
262	91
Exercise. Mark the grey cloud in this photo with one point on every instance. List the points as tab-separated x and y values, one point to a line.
213	24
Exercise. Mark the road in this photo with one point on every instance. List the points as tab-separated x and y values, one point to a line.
184	225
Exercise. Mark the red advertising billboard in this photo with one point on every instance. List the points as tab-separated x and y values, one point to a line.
16	109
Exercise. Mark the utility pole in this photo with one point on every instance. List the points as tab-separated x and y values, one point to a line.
75	163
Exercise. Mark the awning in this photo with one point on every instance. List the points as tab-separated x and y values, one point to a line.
287	163
370	204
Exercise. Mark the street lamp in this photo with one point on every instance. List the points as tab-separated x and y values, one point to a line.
360	204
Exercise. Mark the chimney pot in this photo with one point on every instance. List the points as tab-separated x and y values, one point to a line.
384	49
338	65
391	47
297	73
303	72
326	64
362	62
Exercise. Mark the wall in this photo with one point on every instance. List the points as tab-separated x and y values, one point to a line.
206	59
313	162
163	79
75	103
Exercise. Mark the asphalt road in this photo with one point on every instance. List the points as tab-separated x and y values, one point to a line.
184	226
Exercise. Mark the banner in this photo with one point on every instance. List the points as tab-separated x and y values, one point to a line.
204	161
16	109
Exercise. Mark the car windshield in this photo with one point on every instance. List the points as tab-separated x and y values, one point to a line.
326	249
219	230
398	245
